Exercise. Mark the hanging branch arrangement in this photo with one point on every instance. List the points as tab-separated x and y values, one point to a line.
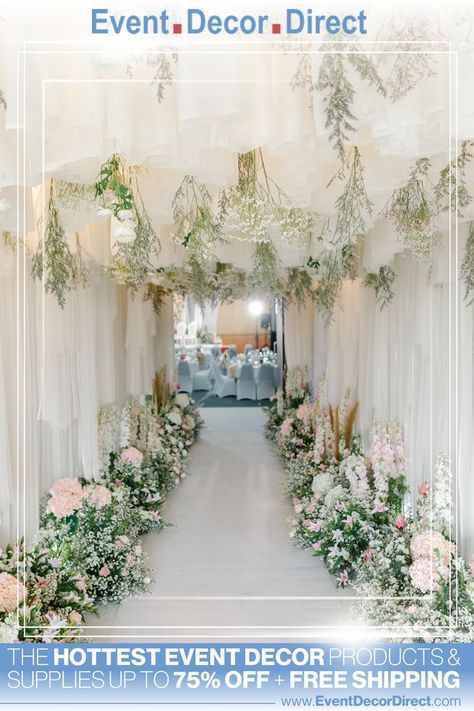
339	93
162	65
451	189
136	239
410	65
53	261
382	283
257	203
352	205
156	294
467	267
264	278
413	212
299	286
75	196
335	266
196	227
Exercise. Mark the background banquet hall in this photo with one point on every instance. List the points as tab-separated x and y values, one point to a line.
188	126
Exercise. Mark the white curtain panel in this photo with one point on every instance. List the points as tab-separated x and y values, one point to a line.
298	334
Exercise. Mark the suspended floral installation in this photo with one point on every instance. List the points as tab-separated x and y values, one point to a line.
350	510
382	284
46	588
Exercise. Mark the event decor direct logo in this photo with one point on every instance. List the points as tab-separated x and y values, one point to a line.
197	22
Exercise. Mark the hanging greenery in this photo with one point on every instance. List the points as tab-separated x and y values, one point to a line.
136	241
413	212
264	278
410	65
74	196
352	205
382	283
257	204
339	93
196	226
3	101
156	294
467	267
335	266
53	261
451	189
298	287
163	66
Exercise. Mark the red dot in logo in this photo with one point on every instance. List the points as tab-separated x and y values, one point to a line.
177	28
276	28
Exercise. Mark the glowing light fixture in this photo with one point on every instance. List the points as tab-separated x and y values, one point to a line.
255	308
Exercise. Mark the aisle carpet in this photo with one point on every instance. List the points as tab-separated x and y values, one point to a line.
230	541
208	399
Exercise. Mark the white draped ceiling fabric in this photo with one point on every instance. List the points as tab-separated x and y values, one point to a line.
73	102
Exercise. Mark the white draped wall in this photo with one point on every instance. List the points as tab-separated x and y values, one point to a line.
401	363
100	348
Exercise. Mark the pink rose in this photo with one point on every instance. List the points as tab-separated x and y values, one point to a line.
317	546
423	489
81	585
400	523
76	617
379	507
104	571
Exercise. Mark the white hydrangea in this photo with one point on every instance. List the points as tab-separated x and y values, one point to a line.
322	484
8	633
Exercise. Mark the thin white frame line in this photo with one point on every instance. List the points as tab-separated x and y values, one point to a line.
226	42
275	51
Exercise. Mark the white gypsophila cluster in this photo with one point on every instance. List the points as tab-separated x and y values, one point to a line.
441	502
9	631
124	426
299	477
337	493
354	469
319	439
322	484
248	219
343	407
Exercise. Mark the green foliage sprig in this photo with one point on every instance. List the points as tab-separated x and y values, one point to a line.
132	259
196	227
467	267
53	260
382	283
352	205
339	92
264	278
335	266
299	286
451	186
413	212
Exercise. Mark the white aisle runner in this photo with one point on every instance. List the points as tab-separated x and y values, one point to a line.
229	554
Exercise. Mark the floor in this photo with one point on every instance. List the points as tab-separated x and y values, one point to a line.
228	569
208	399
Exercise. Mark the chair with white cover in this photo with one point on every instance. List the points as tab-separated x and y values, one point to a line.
207	360
202	380
215	351
223	386
266	382
185	377
246	389
248	348
232	351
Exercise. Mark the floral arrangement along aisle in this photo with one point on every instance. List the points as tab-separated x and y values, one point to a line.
47	587
350	509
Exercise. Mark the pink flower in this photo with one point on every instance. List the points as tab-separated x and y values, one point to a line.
312	526
340	506
379	507
368	555
430	544
81	585
400	523
99	496
316	546
349	521
12	592
285	429
343	578
425	576
76	617
132	456
297	505
423	489
104	571
66	497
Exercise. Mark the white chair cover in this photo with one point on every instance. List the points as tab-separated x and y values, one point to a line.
246	389
223	386
266	382
185	378
202	380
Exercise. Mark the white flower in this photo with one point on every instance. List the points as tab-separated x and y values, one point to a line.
123	233
182	400
8	633
322	484
105	212
174	417
125	215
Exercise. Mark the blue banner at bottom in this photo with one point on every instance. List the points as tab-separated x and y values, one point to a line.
281	675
